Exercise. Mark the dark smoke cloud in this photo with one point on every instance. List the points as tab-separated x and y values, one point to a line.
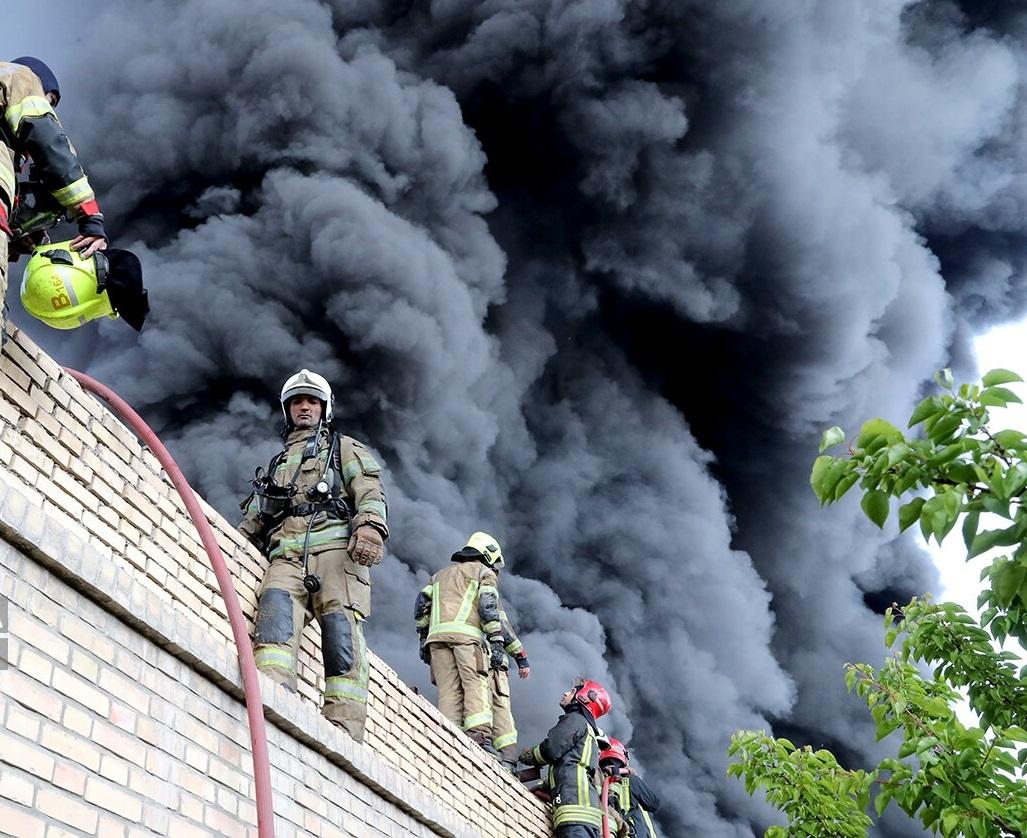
590	275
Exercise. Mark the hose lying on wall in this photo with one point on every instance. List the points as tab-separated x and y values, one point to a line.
251	684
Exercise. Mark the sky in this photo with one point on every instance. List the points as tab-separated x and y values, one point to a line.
590	275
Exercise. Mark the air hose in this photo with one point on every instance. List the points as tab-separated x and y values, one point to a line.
247	666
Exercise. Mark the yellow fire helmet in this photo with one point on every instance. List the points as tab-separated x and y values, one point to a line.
63	290
487	546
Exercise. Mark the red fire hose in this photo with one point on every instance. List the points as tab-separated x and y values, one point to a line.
251	685
604	802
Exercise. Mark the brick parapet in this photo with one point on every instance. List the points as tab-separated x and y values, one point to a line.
80	495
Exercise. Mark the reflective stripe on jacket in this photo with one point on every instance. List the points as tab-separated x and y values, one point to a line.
634	799
572	752
31	127
359	483
459	605
513	645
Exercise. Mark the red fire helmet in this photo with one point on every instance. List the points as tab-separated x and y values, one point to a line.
593	697
616	751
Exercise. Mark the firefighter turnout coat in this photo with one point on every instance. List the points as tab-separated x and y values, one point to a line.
633	798
30	127
571	752
455	613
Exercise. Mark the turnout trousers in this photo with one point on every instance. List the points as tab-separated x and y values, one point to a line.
504	732
284	609
461	674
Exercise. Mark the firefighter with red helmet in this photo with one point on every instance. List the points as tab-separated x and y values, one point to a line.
571	750
632	798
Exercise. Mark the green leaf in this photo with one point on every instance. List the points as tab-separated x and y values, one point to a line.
999	376
826	475
948	454
877	429
996	506
1009	439
970	524
1015	480
832	436
844	485
909	513
1017	734
926	409
942	430
999	397
1007	580
875	505
984	541
943	378
816	479
908	480
897	452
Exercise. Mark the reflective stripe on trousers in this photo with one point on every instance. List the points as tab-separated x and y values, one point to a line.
351	687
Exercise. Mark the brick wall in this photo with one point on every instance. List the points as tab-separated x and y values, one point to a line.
121	707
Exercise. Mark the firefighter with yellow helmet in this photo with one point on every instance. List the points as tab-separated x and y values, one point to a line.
458	619
29	92
319	514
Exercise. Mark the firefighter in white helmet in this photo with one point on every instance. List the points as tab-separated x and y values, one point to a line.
319	514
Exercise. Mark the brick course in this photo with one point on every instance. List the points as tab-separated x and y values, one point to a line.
122	708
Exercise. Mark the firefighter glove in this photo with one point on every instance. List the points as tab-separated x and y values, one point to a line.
497	657
366	545
425	654
91	225
527	756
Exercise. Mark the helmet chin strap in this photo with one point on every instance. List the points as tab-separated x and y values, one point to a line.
311	448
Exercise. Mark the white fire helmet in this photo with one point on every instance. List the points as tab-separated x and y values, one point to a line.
307	383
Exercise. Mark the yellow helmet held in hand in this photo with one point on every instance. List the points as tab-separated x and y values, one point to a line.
63	290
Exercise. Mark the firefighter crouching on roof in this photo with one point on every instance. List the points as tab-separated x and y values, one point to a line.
629	794
458	620
319	514
504	731
29	92
571	750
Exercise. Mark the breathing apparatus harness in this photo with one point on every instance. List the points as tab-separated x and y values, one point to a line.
276	502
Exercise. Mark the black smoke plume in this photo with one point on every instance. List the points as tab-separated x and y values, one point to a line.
590	275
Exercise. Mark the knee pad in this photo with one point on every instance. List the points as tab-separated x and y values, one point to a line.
274	617
337	644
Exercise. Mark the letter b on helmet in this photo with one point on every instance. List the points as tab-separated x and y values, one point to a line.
61	289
